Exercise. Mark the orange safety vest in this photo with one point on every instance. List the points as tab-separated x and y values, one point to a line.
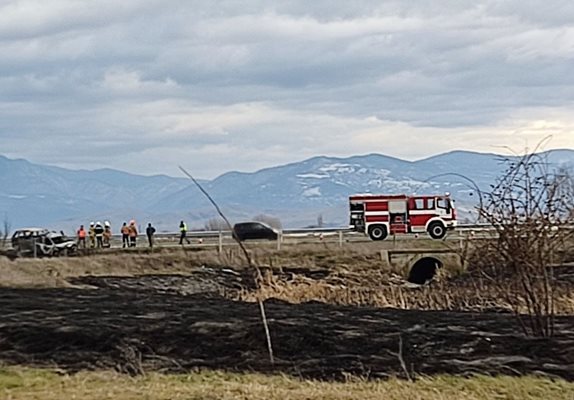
81	233
133	231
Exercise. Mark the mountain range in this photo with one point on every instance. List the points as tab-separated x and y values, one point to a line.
296	193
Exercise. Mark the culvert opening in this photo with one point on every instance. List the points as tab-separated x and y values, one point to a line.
424	270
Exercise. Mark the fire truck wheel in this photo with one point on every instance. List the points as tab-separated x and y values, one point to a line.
436	230
377	232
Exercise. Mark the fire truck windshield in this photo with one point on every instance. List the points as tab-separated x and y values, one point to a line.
444	202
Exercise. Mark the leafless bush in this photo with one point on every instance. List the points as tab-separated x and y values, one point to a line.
5	231
269	220
215	224
531	210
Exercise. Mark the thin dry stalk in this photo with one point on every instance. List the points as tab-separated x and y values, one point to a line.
250	263
399	355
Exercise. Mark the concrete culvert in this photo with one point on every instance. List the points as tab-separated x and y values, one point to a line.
424	270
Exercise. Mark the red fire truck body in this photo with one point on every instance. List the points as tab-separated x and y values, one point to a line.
379	215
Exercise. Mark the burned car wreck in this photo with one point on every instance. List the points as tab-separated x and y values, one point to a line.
40	242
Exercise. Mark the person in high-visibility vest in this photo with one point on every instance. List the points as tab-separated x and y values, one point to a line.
92	233
133	233
81	237
125	235
107	234
183	233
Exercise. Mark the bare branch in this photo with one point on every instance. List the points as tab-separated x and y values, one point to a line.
531	208
258	278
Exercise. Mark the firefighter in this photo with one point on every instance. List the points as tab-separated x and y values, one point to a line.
133	233
125	235
81	234
92	234
107	234
99	231
183	232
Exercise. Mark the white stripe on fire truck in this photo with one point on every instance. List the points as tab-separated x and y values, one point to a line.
418	212
424	212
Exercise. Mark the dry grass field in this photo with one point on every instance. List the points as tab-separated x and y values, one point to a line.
316	272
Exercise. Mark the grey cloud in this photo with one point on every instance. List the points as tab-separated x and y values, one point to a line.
151	77
35	18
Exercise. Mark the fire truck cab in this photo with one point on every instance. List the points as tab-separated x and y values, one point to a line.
379	215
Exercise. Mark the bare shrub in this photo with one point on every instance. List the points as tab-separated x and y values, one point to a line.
215	224
5	230
274	222
530	208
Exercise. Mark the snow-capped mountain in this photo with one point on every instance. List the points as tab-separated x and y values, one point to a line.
297	193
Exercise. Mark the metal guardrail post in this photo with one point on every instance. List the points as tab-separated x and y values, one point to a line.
35	248
340	238
279	240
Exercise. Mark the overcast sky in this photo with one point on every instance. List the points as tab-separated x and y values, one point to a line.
147	85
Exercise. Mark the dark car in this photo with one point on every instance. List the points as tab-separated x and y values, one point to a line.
253	231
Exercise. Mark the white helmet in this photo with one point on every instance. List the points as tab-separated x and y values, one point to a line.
99	223
91	223
107	223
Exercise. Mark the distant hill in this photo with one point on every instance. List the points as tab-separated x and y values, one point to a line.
32	194
297	193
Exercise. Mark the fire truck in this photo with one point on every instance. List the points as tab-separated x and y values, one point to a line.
379	215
